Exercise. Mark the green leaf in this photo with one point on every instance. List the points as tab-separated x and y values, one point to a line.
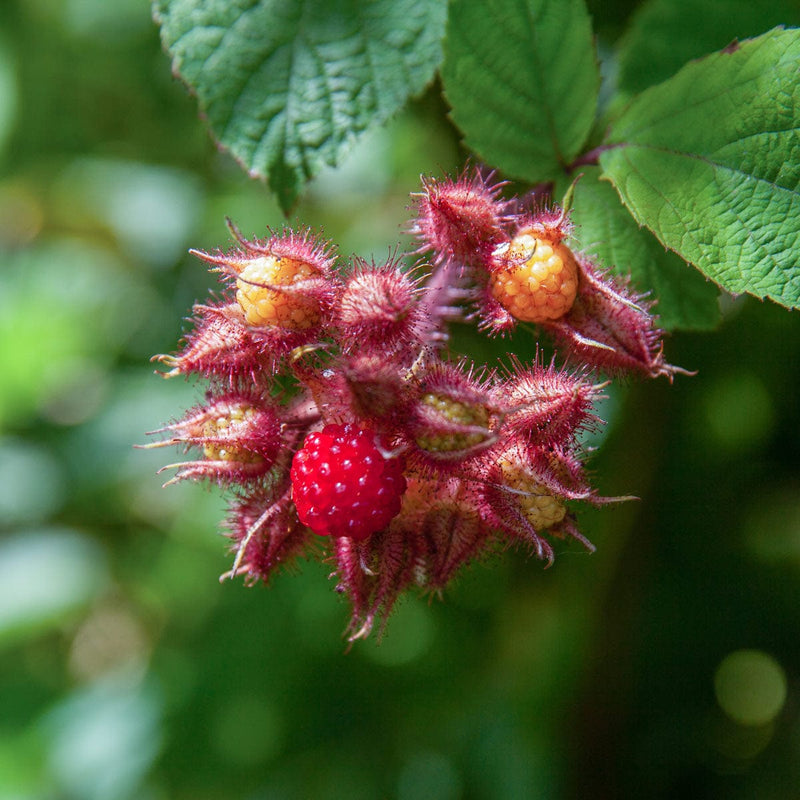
522	79
710	162
287	87
665	34
605	229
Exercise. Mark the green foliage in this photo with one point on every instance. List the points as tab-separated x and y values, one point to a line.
605	229
522	79
288	87
665	34
710	162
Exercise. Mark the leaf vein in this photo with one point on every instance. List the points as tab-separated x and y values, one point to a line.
714	164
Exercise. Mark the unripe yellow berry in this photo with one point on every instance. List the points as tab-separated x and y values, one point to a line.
541	508
265	307
537	281
237	420
459	413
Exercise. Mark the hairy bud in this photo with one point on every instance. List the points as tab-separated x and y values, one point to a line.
221	346
378	308
611	328
461	220
240	437
545	406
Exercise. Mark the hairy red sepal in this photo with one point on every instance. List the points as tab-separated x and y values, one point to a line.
460	220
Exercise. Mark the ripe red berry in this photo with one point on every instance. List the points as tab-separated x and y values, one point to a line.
343	485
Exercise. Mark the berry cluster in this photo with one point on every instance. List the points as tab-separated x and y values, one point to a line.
334	409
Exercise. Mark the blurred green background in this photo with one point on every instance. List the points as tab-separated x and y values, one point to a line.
665	665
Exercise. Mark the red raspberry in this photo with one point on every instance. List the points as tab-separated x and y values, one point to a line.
343	485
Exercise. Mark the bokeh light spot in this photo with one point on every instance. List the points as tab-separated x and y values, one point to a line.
109	638
70	570
750	686
21	209
105	737
150	209
738	412
771	525
32	483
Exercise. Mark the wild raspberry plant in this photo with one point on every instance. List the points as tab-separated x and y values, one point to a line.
344	427
689	146
315	367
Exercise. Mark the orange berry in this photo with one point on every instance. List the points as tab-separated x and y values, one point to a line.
458	413
235	423
265	307
541	508
537	281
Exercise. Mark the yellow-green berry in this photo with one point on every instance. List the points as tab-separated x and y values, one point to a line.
453	411
235	424
541	508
